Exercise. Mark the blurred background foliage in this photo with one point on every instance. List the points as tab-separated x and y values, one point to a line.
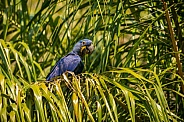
134	73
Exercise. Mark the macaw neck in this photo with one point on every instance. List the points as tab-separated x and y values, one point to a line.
76	53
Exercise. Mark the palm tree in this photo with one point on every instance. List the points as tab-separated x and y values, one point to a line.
134	74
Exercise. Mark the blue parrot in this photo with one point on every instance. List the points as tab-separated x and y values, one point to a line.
72	61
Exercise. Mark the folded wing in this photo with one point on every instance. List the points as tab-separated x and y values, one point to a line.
71	62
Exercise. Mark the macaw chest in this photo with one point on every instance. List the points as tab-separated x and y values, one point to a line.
79	68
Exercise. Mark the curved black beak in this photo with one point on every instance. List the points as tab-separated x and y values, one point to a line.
90	49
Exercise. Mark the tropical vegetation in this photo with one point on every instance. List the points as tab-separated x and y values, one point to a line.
135	73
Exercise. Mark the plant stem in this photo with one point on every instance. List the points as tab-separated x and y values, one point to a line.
174	43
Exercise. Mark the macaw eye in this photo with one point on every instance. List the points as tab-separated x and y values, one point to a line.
83	43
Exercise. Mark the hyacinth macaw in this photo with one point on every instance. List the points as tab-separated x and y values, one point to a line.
72	61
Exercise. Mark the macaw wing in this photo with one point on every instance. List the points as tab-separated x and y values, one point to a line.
74	63
56	70
67	63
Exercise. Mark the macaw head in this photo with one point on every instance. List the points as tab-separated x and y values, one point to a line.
84	46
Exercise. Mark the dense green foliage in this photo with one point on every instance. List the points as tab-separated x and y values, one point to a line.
134	74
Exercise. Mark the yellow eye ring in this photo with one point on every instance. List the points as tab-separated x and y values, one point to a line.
83	43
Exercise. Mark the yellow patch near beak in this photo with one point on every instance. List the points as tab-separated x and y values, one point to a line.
82	48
